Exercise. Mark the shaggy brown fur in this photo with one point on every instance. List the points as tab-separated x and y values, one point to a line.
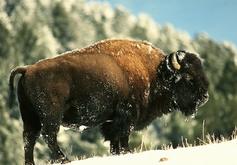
119	85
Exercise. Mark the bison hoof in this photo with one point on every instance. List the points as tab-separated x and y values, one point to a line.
65	161
126	151
62	160
29	163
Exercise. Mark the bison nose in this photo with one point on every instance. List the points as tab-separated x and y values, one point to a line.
203	100
206	96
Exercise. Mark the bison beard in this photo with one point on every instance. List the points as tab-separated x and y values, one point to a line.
118	85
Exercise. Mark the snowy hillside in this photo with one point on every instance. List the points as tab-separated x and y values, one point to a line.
224	153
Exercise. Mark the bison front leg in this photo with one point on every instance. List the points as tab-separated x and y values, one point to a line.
117	131
116	135
119	145
124	144
114	146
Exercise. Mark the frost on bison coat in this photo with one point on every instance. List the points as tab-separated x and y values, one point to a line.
119	85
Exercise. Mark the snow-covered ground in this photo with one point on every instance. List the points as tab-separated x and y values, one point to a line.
224	153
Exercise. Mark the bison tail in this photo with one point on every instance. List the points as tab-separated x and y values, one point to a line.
11	93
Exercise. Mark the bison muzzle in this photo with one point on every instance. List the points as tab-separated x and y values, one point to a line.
118	85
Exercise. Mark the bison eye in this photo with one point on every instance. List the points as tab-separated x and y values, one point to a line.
188	77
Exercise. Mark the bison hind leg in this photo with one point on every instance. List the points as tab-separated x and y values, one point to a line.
50	128
31	132
31	125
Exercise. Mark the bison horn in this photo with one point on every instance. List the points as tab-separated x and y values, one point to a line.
174	61
178	57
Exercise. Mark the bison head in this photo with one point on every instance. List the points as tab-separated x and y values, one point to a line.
182	80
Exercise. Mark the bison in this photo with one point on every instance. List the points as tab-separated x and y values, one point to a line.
118	85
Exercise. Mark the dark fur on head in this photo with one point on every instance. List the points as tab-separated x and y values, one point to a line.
185	88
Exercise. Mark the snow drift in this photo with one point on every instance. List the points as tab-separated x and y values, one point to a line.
219	154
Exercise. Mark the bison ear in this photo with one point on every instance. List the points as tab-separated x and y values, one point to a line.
176	59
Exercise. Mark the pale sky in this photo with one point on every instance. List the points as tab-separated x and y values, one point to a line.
218	18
